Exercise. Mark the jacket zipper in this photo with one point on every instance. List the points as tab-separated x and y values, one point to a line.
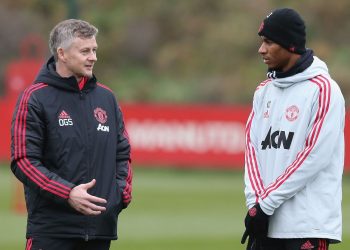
86	135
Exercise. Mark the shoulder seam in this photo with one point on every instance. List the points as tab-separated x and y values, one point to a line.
105	87
263	84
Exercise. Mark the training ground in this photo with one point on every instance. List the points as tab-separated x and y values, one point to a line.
172	209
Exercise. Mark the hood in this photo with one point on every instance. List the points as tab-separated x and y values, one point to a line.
317	67
48	75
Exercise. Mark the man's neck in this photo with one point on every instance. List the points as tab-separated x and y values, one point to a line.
292	61
62	70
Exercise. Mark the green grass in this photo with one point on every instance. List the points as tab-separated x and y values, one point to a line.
172	209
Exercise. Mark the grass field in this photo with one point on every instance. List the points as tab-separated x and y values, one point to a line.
172	209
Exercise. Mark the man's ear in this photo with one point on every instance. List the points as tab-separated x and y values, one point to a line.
61	54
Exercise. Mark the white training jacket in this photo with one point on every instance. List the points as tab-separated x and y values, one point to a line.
295	154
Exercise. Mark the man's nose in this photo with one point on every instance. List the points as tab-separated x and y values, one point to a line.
93	57
262	49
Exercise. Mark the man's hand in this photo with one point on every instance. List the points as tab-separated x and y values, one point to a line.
83	202
256	224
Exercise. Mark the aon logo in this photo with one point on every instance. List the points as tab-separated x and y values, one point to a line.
277	139
103	128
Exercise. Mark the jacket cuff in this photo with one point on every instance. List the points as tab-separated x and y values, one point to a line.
266	207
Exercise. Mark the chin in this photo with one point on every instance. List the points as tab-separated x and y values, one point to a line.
87	74
275	68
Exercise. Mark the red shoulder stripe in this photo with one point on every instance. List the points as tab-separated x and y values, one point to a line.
263	84
104	86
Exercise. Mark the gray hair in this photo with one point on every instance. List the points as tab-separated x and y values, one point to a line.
63	34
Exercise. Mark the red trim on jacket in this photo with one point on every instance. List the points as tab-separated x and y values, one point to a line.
20	154
322	244
29	244
105	87
251	162
250	156
82	82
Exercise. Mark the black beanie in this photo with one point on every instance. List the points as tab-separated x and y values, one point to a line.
286	28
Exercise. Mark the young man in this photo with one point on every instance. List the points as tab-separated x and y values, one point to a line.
294	145
70	148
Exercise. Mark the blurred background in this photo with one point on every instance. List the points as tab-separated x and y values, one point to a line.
169	55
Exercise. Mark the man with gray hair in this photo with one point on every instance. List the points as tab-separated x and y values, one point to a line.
70	148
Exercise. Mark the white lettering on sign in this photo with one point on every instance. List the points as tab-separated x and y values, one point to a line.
189	136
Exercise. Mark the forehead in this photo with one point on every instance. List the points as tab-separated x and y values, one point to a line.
80	43
264	38
270	42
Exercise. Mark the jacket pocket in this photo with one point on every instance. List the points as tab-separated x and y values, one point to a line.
33	200
118	202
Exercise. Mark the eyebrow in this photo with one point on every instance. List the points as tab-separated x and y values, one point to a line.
88	48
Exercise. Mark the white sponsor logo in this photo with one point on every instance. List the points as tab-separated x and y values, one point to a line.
65	122
102	128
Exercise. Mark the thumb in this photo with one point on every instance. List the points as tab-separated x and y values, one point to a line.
90	184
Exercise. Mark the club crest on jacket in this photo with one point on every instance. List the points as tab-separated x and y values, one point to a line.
100	115
292	113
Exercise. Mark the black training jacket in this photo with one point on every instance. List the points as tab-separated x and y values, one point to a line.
63	137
